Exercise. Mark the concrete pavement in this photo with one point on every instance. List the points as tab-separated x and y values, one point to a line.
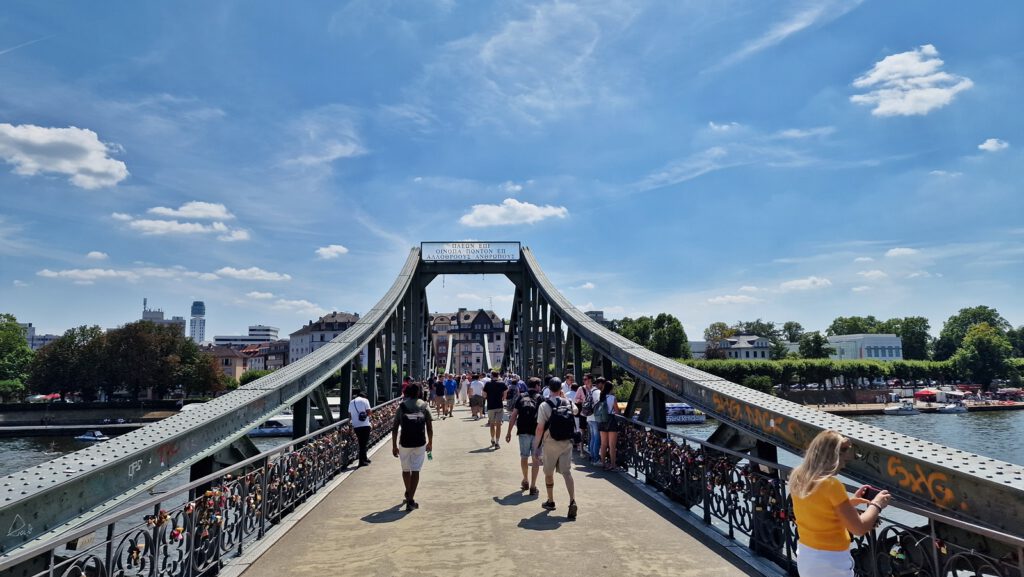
474	520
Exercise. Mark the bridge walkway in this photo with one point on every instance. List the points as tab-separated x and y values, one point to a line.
473	520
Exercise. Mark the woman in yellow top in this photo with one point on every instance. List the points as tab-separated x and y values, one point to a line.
824	514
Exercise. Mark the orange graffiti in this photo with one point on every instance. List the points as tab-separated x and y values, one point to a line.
651	372
767	422
934	484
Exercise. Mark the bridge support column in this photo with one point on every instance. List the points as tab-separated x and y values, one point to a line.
371	375
389	370
656	408
577	358
346	383
300	418
559	347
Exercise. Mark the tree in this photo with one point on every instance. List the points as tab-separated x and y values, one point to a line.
852	326
15	355
814	345
792	331
955	329
1016	337
11	389
637	330
69	364
249	376
144	357
669	338
714	335
913	333
984	354
760	328
761	383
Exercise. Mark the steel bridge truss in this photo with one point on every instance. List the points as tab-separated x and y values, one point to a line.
546	335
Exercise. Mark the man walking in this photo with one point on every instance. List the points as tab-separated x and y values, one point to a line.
359	415
416	440
524	418
556	425
476	396
450	386
495	390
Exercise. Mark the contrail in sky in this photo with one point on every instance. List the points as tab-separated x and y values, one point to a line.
24	44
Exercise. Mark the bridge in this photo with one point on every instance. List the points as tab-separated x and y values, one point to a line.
75	514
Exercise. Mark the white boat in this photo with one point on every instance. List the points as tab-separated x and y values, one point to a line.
278	426
904	408
682	414
954	407
92	437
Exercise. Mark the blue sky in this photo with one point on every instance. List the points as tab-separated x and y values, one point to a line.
716	160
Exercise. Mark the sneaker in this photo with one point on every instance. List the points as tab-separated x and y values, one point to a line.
410	505
524	486
534	491
549	505
364	464
572	510
497	445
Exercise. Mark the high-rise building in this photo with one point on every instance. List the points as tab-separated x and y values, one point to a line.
257	334
197	326
156	316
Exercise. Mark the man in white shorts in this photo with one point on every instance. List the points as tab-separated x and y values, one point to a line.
414	431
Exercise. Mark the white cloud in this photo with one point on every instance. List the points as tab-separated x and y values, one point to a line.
88	275
860	289
585	286
749	289
909	83
993	145
259	295
901	251
75	152
511	211
152	227
195	209
798	133
252	273
873	274
688	168
174	272
921	274
234	236
723	127
161	227
511	187
331	251
816	13
733	300
120	216
946	173
20	284
863	259
97	255
324	135
301	307
803	284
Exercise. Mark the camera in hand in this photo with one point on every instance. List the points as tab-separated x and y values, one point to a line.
870	492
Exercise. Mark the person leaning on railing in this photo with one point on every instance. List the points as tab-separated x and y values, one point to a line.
824	513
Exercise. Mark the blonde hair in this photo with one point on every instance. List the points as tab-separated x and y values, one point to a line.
820	462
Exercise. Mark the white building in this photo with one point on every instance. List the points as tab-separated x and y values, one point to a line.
257	334
197	324
156	316
316	334
35	342
881	347
468	329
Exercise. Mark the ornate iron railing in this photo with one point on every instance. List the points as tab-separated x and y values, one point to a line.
745	499
195	528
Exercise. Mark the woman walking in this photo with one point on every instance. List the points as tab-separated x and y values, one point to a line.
607	424
825	514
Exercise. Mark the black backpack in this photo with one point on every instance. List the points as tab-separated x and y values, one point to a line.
561	424
414	427
526	421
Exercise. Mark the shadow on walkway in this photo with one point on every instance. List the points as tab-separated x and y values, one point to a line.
513	499
542	521
391	515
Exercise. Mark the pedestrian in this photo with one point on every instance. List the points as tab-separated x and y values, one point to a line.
495	390
590	398
359	413
524	419
556	427
439	402
464	390
825	515
412	437
450	387
476	396
607	425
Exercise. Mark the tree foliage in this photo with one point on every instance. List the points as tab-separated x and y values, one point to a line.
714	335
814	345
662	334
956	327
983	355
249	376
854	325
15	355
792	331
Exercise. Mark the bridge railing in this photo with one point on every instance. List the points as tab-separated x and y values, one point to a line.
746	499
200	525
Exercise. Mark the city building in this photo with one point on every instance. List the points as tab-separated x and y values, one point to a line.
156	316
468	330
254	361
598	316
742	347
230	360
197	325
880	347
35	342
275	354
257	334
316	334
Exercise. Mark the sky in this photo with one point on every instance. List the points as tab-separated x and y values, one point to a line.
719	161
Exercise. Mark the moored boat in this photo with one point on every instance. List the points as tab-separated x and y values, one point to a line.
903	408
682	414
279	426
92	437
954	407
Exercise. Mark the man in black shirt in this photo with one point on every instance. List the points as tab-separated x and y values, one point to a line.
494	391
524	418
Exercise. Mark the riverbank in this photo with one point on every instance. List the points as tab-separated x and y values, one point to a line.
876	408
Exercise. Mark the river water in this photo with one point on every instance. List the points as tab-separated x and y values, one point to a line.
996	434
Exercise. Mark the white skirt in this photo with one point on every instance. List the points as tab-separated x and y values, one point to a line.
817	563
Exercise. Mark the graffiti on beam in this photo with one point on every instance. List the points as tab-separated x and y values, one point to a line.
767	422
934	486
19	528
654	374
166	452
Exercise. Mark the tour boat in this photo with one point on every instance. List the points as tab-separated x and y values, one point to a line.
92	437
904	408
954	407
682	414
279	426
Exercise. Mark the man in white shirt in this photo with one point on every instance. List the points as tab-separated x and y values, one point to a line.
476	397
359	412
